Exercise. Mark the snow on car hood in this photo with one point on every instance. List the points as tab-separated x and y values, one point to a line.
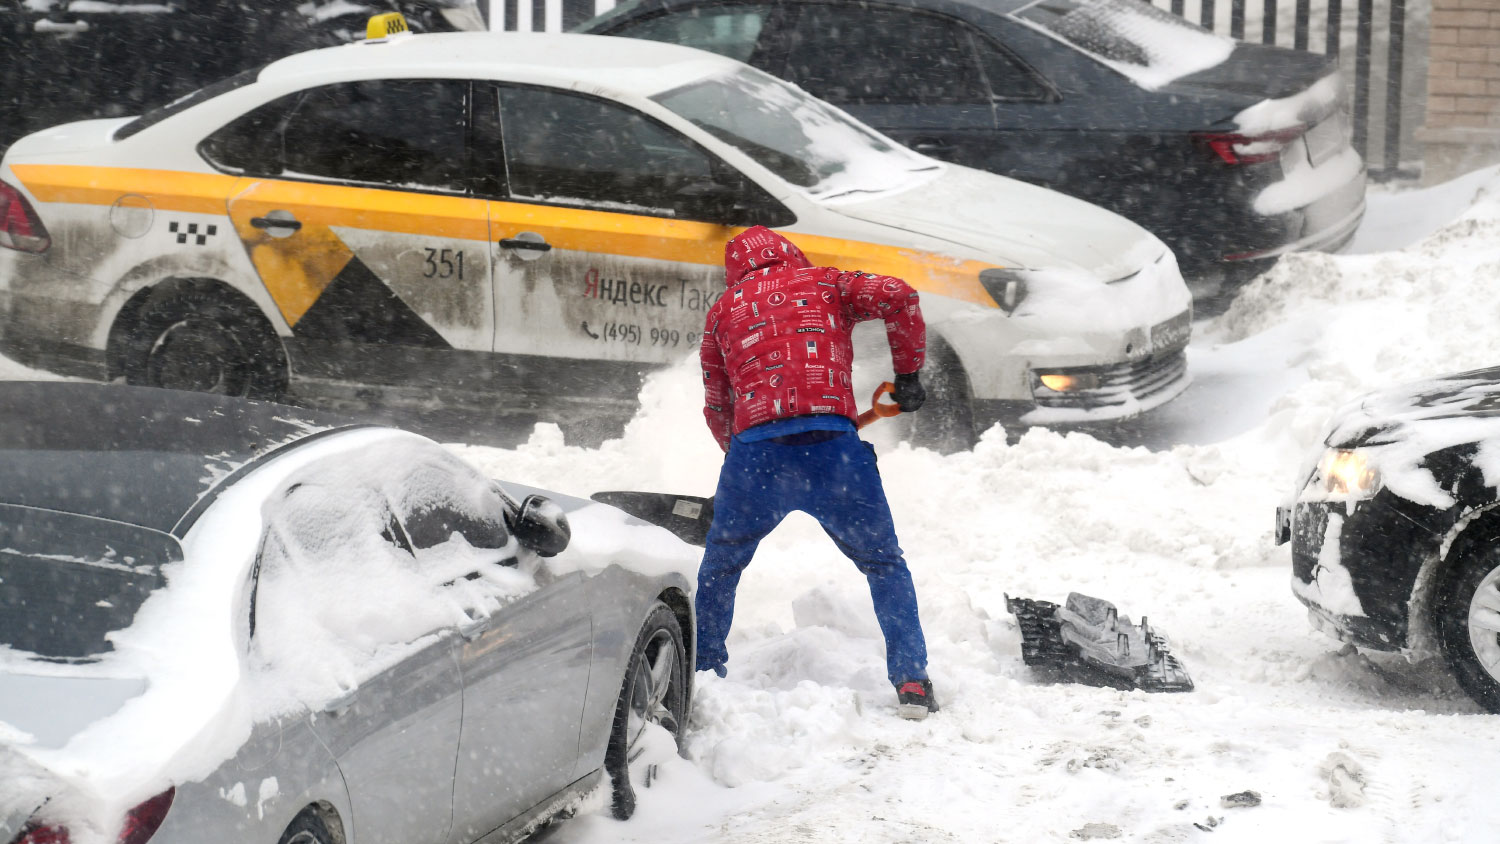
1017	224
1399	427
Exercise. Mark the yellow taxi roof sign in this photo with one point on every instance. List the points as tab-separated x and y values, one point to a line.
386	25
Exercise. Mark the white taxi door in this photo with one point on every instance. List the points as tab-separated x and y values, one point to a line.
604	257
365	234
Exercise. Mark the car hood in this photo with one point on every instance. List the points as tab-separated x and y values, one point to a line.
1012	223
51	709
1381	417
1402	430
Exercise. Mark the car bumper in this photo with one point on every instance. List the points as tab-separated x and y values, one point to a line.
1357	565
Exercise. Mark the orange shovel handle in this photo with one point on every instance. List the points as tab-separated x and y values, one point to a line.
878	410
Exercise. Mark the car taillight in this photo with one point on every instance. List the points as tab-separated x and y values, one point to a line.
144	820
20	227
141	823
1236	148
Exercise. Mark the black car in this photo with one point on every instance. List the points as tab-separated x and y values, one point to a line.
1395	532
62	61
1112	101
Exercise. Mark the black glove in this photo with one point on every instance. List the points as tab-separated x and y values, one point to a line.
909	394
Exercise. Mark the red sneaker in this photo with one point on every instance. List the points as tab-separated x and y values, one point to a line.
915	700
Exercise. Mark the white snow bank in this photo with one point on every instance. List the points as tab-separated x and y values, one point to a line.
1341	746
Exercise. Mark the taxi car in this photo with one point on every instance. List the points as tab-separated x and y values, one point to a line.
1394	527
541	218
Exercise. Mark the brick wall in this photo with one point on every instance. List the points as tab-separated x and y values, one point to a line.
1462	129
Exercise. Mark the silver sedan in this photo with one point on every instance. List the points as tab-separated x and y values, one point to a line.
233	621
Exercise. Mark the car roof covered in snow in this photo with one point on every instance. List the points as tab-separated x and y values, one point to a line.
133	454
640	67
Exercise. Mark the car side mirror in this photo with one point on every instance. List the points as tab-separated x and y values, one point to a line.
541	526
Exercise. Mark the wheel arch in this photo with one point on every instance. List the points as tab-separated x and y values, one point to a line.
116	346
1472	530
677	601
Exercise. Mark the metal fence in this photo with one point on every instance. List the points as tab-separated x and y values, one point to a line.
1370	38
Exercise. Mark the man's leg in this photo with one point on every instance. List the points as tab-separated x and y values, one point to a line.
854	512
747	506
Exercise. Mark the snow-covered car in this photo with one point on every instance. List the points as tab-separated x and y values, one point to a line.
233	620
1232	153
542	218
1395	530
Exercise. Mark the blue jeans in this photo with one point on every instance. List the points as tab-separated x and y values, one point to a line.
835	482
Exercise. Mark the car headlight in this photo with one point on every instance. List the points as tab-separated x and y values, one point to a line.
1343	473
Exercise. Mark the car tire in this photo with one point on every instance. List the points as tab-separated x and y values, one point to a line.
1468	625
307	828
654	692
945	423
197	337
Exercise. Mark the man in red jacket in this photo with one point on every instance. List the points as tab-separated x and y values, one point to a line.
776	356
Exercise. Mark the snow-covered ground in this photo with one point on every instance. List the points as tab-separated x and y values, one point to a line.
801	741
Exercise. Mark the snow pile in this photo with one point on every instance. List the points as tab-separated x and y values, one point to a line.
1339	745
335	563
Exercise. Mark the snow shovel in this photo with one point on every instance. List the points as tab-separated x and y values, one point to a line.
688	516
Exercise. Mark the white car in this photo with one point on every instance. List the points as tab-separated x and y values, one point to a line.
542	218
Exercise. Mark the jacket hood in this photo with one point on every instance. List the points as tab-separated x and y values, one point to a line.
756	249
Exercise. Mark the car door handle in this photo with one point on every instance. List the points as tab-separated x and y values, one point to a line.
931	145
474	629
61	27
533	245
275	223
340	705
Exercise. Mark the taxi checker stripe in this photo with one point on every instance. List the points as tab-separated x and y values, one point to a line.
433	215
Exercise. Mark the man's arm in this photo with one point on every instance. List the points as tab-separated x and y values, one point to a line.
718	397
867	296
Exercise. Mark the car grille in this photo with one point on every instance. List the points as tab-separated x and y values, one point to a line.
1137	380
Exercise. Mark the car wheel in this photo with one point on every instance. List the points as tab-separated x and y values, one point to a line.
654	694
946	421
307	828
1468	624
198	340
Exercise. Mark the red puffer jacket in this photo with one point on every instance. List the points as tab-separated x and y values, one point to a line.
777	344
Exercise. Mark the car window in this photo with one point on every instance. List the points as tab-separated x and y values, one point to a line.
731	31
572	149
799	138
1151	45
251	143
1008	78
397	132
187	101
67	581
861	55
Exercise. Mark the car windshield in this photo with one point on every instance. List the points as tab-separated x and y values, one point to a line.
187	101
1150	45
67	581
801	139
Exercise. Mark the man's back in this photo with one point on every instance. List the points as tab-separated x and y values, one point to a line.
778	343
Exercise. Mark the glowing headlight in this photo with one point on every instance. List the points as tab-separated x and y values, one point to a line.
1059	382
1344	473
